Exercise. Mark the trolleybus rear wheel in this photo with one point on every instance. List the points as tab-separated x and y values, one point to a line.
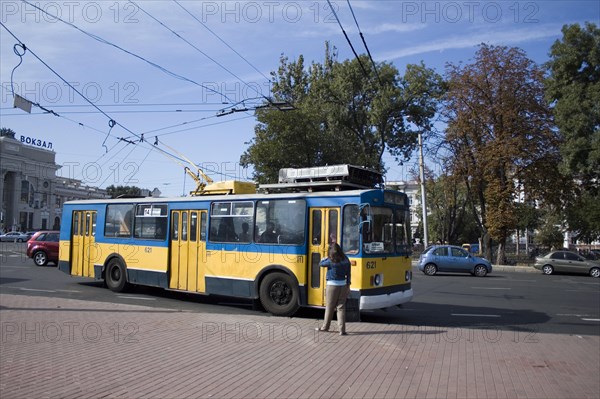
279	294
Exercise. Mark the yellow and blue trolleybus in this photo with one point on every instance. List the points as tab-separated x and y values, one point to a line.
264	246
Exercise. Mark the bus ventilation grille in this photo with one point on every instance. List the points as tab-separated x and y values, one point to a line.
325	178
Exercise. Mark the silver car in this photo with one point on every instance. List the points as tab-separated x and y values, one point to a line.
567	262
14	236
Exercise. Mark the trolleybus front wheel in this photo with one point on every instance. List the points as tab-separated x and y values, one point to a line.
279	294
116	276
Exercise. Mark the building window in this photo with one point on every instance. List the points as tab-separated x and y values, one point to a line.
26	192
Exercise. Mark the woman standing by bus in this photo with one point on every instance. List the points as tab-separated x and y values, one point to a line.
338	287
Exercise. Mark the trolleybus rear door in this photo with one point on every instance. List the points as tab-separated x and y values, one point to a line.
83	243
324	230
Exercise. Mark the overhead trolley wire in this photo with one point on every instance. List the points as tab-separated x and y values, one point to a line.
222	41
364	43
111	121
155	65
195	47
348	39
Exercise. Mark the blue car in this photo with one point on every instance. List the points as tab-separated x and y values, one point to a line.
452	259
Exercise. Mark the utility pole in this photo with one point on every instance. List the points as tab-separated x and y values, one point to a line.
423	198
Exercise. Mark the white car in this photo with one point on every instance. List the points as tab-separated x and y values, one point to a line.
14	236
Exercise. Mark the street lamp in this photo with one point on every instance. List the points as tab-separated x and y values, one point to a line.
423	197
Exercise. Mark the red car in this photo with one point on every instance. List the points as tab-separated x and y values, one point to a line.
43	247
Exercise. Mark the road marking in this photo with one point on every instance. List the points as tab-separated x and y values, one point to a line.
36	290
136	297
590	319
491	288
527	281
67	291
572	314
474	315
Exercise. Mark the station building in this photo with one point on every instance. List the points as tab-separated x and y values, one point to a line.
31	190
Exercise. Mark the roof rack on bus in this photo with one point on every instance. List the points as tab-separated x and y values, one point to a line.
226	187
324	178
128	196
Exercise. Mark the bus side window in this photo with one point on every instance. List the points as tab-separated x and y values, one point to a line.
193	226
316	227
351	229
203	226
175	227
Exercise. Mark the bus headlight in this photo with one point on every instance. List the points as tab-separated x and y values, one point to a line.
377	280
408	275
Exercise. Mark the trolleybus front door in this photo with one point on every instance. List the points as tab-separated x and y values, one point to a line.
83	243
188	250
324	230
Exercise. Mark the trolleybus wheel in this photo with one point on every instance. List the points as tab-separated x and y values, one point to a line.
279	294
116	276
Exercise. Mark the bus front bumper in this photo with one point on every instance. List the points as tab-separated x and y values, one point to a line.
370	302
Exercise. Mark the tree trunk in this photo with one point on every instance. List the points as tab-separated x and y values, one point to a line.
487	245
501	255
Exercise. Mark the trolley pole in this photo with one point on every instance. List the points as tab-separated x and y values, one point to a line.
423	197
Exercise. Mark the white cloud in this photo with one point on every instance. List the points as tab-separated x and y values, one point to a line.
513	37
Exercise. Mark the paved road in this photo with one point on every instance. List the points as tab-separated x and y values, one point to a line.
462	337
528	303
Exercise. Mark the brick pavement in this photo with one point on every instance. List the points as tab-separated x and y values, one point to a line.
64	348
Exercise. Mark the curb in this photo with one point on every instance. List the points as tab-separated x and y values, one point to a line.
505	268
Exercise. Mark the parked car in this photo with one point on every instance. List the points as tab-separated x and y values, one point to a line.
14	236
567	261
31	233
591	255
43	247
453	259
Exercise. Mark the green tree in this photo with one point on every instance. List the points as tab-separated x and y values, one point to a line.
528	218
449	218
573	88
7	132
341	115
583	217
549	235
500	136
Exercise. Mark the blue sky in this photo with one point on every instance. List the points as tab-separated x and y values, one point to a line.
210	47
